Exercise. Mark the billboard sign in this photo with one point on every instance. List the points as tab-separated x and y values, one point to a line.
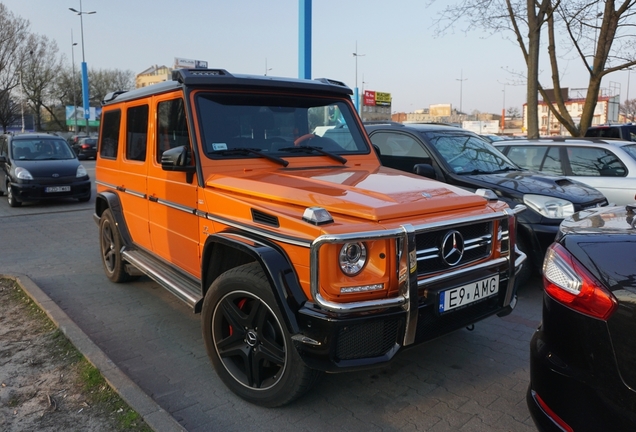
373	98
76	114
189	64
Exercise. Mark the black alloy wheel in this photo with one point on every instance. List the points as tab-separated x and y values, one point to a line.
11	199
248	345
110	247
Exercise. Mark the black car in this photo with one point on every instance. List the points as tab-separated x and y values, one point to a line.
36	167
85	148
462	158
583	356
625	131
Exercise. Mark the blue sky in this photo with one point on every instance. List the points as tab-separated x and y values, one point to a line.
400	53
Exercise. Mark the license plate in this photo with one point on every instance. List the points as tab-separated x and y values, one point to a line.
57	189
469	293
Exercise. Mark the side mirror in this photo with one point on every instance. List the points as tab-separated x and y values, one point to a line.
425	170
178	159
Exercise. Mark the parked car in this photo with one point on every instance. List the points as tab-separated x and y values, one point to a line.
260	203
85	148
38	167
582	374
462	158
606	165
626	131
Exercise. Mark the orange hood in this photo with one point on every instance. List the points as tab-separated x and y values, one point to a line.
372	195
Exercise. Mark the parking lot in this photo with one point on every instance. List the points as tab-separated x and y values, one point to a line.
467	381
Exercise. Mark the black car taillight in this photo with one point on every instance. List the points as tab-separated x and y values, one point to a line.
568	282
86	146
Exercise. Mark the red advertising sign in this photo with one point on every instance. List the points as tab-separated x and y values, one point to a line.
369	98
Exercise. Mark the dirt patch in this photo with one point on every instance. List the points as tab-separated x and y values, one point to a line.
45	383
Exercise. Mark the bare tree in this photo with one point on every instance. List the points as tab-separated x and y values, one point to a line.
525	20
104	81
13	31
513	112
628	109
41	65
602	48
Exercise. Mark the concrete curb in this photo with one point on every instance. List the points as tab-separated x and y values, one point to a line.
156	417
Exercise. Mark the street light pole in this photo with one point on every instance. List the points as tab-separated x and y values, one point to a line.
461	82
22	99
87	109
356	95
73	80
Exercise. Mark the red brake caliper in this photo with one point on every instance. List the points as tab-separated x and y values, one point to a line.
241	304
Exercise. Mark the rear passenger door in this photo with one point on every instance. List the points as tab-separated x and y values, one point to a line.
172	201
601	169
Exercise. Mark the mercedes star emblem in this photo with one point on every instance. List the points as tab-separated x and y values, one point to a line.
452	248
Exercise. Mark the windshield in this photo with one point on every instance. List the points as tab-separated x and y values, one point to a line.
41	149
276	126
468	154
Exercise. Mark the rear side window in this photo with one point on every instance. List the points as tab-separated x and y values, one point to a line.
552	162
172	126
137	133
595	162
529	157
110	134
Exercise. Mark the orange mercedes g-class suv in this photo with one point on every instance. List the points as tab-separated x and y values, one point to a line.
261	203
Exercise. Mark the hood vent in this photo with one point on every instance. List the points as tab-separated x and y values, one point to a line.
264	218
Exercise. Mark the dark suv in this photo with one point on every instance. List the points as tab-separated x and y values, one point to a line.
462	158
36	167
625	131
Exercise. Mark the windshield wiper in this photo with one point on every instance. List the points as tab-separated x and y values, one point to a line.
475	171
506	169
310	149
245	151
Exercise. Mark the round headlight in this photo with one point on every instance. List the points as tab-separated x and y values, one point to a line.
352	258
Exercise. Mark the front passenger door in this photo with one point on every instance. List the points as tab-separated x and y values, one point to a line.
399	150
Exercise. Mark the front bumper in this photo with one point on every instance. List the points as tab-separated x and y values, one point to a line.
36	191
338	342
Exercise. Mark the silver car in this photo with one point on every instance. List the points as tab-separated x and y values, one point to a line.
607	165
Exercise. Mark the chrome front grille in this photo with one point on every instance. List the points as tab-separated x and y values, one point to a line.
478	240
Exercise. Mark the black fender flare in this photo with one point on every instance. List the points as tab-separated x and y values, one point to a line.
110	200
279	271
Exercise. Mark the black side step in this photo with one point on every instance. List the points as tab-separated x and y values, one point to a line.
184	287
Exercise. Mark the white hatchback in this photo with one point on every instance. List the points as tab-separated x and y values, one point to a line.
606	165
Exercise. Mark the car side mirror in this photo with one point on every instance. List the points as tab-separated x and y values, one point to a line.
425	170
178	159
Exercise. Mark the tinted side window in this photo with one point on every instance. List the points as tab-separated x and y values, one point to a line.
392	144
595	162
631	133
172	127
110	134
137	133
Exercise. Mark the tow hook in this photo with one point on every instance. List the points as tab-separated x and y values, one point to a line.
470	327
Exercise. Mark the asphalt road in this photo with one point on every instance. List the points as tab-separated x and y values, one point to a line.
467	381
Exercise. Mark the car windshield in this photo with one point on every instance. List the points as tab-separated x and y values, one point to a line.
468	154
41	149
278	126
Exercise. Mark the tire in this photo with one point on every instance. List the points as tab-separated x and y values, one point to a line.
11	199
247	342
110	247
